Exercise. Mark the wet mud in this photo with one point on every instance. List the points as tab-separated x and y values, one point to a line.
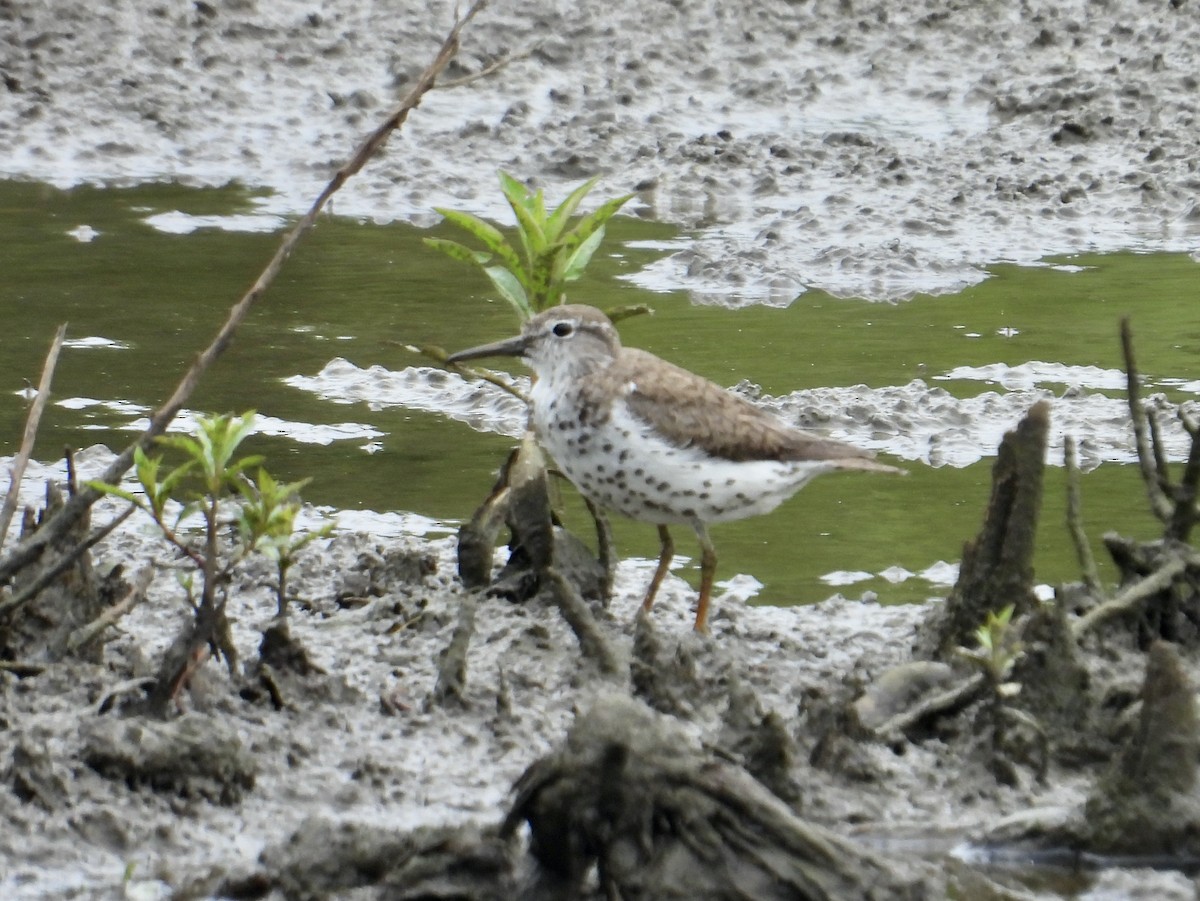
440	741
871	149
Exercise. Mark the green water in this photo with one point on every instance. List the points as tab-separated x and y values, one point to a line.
359	291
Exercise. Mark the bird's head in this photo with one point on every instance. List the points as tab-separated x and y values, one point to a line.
564	338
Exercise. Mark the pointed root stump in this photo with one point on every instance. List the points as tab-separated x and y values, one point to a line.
997	565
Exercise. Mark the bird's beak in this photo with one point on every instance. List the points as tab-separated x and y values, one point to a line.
509	347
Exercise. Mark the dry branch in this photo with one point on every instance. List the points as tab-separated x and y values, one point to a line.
31	427
1153	477
134	596
1083	550
30	549
1136	593
61	565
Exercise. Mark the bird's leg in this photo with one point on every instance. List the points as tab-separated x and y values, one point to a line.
664	562
708	569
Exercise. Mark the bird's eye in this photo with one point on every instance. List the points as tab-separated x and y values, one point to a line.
563	329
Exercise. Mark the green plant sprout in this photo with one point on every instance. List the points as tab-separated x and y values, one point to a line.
204	483
552	252
266	523
997	653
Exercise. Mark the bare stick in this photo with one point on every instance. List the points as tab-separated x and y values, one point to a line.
1083	550
1186	510
133	597
30	549
1160	505
948	701
490	69
61	565
31	427
1135	594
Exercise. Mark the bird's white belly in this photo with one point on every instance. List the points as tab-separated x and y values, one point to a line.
624	466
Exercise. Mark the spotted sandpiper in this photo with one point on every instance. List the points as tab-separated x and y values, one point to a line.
656	442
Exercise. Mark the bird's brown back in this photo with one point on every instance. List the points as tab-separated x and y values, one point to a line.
690	411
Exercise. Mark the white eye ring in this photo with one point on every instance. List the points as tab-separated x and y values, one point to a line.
563	329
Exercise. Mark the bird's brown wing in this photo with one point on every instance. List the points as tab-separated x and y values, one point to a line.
691	411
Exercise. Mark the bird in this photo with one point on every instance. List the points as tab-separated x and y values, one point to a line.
658	443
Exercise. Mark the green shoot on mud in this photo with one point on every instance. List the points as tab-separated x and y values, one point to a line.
997	653
208	479
998	650
551	254
266	523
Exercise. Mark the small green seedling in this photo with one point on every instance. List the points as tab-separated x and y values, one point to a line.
997	653
267	524
207	481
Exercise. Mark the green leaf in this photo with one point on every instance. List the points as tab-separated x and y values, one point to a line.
531	219
459	252
576	262
115	491
544	291
595	219
487	233
516	192
511	289
530	228
566	209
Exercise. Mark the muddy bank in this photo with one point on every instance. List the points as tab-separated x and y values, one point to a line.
844	747
869	148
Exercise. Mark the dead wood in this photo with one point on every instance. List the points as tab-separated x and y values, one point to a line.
544	560
1083	550
997	565
32	421
1147	804
633	798
1174	503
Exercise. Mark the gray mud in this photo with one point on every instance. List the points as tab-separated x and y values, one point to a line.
362	764
873	149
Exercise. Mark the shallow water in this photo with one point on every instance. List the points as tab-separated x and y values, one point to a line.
145	276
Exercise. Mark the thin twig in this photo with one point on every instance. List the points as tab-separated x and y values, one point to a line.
9	604
31	427
22	668
439	354
1083	550
1161	465
943	702
490	69
1133	595
133	597
1186	510
30	549
1160	505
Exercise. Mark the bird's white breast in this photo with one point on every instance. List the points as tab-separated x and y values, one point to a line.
620	463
